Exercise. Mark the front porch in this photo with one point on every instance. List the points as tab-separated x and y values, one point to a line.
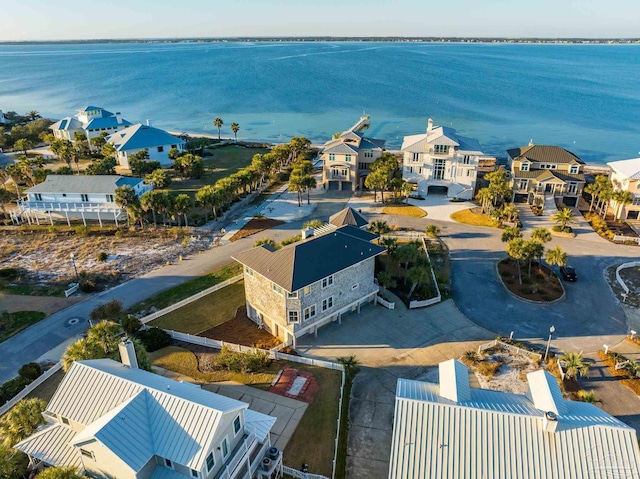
34	211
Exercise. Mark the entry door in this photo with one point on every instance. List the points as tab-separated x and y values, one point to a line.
548	188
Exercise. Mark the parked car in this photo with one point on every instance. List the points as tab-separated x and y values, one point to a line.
568	273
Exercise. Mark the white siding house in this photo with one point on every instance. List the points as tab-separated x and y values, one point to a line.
67	197
109	419
91	121
625	176
139	137
442	159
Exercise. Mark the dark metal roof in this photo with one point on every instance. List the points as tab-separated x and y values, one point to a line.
348	216
544	154
301	264
546	174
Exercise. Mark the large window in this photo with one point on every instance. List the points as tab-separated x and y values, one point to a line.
416	157
347	158
224	447
441	149
332	157
438	168
236	425
466	159
523	184
572	188
210	462
326	282
368	154
309	312
327	303
573	170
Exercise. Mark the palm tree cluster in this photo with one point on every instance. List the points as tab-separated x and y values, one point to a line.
235	127
604	194
385	175
526	251
301	178
496	195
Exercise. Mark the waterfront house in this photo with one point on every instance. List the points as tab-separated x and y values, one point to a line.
347	158
111	419
295	290
91	121
69	197
625	176
158	143
441	161
539	171
453	431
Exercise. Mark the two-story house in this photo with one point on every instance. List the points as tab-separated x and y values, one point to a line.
91	121
158	143
625	176
295	290
543	170
347	158
69	197
112	420
441	160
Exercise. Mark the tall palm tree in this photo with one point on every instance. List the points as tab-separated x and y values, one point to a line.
621	199
235	128
149	202
126	198
13	463
510	233
516	251
392	245
541	234
575	365
379	227
105	335
556	257
406	189
533	250
218	124
417	275
182	205
209	197
510	212
21	421
563	218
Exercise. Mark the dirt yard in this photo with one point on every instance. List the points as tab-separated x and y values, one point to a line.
47	304
241	330
255	225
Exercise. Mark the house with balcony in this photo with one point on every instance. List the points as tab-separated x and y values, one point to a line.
69	197
625	176
156	142
110	419
442	161
295	290
91	121
545	171
450	430
348	158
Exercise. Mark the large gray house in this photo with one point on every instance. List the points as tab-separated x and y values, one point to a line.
297	289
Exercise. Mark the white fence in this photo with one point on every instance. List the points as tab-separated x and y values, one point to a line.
633	264
438	298
562	367
290	471
73	287
190	299
623	238
29	389
510	347
385	303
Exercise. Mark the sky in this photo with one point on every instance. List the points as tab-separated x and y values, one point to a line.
92	19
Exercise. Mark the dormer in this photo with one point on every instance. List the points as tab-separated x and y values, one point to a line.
525	165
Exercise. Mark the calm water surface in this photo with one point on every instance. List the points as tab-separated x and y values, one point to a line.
583	97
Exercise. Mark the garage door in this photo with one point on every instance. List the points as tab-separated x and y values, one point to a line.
570	200
633	215
437	190
346	186
334	185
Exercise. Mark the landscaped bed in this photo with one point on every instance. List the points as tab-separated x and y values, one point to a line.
631	277
475	217
404	210
626	376
241	330
255	225
542	286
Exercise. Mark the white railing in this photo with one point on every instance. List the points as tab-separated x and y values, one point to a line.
621	365
190	299
623	238
632	264
290	471
29	389
431	301
510	347
73	287
562	365
59	206
335	451
385	303
239	457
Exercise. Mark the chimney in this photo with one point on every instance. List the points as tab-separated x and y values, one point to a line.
128	353
454	381
550	422
307	233
148	122
531	142
429	125
118	118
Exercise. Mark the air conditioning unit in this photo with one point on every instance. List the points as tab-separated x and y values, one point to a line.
266	464
273	453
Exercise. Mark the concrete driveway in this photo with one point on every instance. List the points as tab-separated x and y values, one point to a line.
389	345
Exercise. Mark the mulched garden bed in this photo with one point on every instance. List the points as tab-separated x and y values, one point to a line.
241	330
286	378
255	225
543	285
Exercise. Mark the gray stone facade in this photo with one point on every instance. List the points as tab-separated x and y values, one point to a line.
346	290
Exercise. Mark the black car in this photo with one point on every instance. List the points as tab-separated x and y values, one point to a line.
568	273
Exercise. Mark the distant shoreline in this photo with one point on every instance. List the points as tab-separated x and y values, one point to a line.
482	40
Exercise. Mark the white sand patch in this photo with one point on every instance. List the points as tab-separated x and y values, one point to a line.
511	377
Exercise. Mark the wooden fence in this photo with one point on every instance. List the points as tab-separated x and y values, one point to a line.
29	389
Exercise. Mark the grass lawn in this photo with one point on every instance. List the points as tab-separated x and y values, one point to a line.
183	291
13	323
470	218
404	210
54	289
205	313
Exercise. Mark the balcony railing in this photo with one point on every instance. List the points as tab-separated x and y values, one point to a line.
238	457
85	207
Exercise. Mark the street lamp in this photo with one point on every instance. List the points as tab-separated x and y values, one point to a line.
73	262
551	331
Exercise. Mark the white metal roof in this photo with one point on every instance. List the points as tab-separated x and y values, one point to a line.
440	135
501	435
629	168
52	445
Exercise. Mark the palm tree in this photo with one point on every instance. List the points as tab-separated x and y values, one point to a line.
510	233
592	189
149	202
563	218
350	363
541	234
379	227
309	182
516	251
296	184
182	205
574	364
80	350
33	115
392	245
588	396
23	144
621	199
485	197
20	422
556	256
105	335
235	128
158	178
209	197
417	275
386	280
533	250
13	463
218	124
59	472
126	198
406	189
510	212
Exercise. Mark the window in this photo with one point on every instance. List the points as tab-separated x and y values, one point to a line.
572	188
347	158
408	169
84	197
344	172
438	168
307	290
224	447
524	167
174	146
523	184
416	157
466	159
355	286
194	473
64	420
636	201
160	149
326	282
38	197
249	271
168	463
468	172
87	454
293	317
368	154
441	149
332	157
363	166
236	425
327	303
109	198
292	295
64	195
210	462
277	288
573	170
309	312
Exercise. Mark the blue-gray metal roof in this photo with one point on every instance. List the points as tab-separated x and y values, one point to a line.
105	122
140	136
84	184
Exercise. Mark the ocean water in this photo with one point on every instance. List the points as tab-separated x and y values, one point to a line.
583	97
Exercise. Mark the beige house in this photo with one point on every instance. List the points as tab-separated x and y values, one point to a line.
542	170
450	430
91	121
112	420
625	176
347	159
295	290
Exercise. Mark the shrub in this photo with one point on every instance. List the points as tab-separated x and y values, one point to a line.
471	357
488	368
30	371
293	239
111	311
312	224
119	234
81	230
242	362
526	280
102	256
131	325
9	274
154	339
13	386
87	286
